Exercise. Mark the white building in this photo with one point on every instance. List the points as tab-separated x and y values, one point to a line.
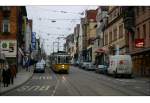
28	38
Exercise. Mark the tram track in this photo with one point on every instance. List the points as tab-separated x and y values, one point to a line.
111	84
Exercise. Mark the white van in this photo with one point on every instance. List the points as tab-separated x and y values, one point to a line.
120	65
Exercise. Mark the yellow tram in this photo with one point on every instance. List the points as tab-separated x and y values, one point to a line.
60	62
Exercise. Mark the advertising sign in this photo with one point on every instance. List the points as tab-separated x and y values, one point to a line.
33	40
139	43
8	47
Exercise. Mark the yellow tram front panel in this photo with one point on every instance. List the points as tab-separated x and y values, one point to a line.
62	67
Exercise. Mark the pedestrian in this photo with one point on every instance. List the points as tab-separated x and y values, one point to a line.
8	76
12	72
4	74
26	63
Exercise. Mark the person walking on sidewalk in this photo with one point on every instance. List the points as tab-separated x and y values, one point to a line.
26	59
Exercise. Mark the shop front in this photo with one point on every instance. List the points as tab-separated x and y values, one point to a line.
100	57
141	62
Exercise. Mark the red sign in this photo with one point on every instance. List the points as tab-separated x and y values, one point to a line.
139	43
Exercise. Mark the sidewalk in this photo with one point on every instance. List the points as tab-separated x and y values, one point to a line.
22	77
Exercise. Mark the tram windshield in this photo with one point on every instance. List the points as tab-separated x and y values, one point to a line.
62	59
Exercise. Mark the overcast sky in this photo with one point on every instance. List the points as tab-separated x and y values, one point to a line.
66	18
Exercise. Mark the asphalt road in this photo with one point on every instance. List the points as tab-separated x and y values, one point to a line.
80	82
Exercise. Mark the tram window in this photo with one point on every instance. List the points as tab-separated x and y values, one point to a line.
59	60
67	59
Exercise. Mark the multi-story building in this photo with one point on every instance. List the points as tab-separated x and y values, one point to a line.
10	30
76	42
101	18
69	46
83	40
114	33
90	21
28	37
137	21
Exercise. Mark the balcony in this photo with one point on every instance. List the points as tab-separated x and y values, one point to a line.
128	17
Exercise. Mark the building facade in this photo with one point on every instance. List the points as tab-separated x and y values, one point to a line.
10	30
90	20
139	38
101	18
114	33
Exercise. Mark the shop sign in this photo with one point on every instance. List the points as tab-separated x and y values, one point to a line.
8	47
139	43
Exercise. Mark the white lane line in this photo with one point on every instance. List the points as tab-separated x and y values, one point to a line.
23	88
54	91
137	87
44	88
57	83
34	88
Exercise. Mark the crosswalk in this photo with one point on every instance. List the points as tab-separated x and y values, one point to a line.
33	88
42	78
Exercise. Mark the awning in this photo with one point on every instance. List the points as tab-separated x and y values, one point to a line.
101	50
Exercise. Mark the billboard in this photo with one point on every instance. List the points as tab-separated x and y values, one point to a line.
8	47
33	41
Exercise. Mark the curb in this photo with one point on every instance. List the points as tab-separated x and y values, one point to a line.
2	93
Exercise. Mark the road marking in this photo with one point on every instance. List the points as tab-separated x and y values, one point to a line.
137	87
44	88
23	88
42	78
57	83
33	88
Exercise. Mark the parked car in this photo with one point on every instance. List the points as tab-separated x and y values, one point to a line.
76	63
80	64
120	65
90	66
39	67
85	65
101	69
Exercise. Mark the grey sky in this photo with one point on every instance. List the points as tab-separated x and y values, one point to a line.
47	30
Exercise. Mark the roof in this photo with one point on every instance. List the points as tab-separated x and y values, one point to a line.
91	14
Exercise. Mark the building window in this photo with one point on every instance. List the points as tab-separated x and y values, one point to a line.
98	42
115	34
144	31
120	10
6	8
121	31
143	9
149	28
6	25
137	11
110	37
106	39
138	33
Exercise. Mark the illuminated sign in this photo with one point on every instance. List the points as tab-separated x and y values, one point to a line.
139	43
